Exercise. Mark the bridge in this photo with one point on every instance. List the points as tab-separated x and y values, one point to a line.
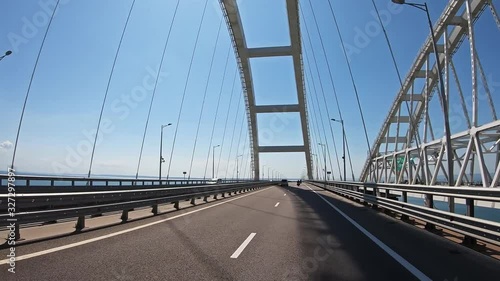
250	140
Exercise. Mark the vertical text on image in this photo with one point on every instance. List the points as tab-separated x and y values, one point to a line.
11	210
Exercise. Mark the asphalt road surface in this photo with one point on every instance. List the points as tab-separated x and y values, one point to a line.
293	233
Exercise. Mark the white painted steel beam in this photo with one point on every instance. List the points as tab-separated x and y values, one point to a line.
270	52
243	55
274	149
456	26
277	108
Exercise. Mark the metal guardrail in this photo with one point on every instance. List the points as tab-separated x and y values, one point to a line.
473	228
36	204
27	180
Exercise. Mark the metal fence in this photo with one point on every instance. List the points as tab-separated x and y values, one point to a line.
386	196
46	181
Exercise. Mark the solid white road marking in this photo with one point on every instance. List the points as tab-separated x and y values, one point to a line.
417	273
276	205
243	246
72	245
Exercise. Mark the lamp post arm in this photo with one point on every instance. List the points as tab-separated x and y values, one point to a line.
422	7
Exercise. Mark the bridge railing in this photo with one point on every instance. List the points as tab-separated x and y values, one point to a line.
386	196
39	204
50	181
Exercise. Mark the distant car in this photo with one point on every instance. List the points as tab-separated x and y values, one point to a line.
284	182
214	181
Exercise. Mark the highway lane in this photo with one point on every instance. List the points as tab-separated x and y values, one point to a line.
437	257
301	238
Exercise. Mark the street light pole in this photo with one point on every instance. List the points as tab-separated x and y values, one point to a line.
442	94
213	160
341	121
324	155
161	148
316	164
237	167
444	102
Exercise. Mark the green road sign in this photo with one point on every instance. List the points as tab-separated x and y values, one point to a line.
399	163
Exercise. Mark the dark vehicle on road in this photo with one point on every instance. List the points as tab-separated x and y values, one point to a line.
284	182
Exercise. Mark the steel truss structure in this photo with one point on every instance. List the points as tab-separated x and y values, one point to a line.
243	56
401	155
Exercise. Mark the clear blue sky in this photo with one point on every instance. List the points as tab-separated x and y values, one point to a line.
71	78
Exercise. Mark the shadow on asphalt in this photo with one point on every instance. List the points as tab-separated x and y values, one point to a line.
217	270
332	248
366	260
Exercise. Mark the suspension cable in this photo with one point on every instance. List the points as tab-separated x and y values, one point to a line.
350	160
314	151
350	71
322	124
234	129
315	129
344	135
107	87
239	141
332	83
227	118
204	99
244	170
216	111
155	86
30	83
321	118
247	158
317	135
314	147
185	88
389	45
322	92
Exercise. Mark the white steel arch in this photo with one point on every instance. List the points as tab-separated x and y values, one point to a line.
243	55
405	155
